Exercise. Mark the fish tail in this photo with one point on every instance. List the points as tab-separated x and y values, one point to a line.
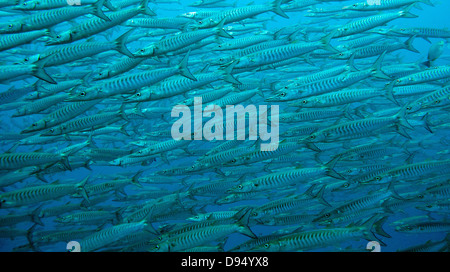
82	191
121	44
427	2
135	179
145	9
109	6
243	224
351	63
330	168
36	216
97	10
389	93
39	71
406	12
221	32
228	76
320	198
276	8
426	122
401	119
409	44
376	67
123	130
183	67
326	42
376	224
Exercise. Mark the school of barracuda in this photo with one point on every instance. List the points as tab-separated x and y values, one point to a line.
87	90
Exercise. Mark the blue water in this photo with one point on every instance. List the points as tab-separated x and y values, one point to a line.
433	17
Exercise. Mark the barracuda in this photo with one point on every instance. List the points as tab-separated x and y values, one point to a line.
8	72
176	42
40	105
160	23
96	25
343	97
375	199
50	18
272	55
14	40
349	129
37	194
239	14
385	4
204	235
173	87
376	49
110	235
308	240
368	23
128	83
61	115
415	170
70	53
286	178
330	84
429	75
53	4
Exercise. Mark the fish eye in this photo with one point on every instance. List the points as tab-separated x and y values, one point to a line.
437	102
52	130
327	215
220	46
10	26
142	50
138	94
429	206
340	54
200	22
58	36
312	136
378	178
266	245
408	108
83	93
304	101
26	59
420	196
346	185
34	125
240	187
286	87
283	94
157	247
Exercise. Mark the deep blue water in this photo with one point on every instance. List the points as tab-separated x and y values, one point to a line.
435	147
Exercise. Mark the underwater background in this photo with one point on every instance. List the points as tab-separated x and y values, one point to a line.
176	191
